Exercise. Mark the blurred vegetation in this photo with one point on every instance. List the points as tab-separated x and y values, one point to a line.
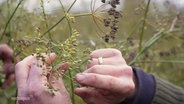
147	37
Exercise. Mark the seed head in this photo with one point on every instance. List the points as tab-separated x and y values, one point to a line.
107	37
107	22
111	11
114	27
117	14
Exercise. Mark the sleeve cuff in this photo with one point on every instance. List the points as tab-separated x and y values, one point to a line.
167	93
146	88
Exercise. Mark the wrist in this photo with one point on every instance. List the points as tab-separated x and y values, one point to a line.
131	97
145	87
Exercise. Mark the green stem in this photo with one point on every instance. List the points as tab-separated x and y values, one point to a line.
70	27
53	26
8	22
144	24
72	86
150	43
45	19
134	28
80	15
67	17
58	21
71	6
9	27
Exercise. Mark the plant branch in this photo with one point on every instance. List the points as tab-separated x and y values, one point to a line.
8	22
144	24
45	18
62	18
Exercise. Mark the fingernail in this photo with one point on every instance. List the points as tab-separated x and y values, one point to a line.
80	77
89	61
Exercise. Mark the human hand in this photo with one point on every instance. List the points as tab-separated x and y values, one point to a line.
110	82
6	55
33	85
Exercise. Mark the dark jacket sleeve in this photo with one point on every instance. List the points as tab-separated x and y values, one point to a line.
167	93
145	88
154	90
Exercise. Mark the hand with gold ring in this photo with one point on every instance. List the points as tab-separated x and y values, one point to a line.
109	78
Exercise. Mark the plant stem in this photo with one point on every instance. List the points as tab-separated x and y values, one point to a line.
72	86
45	19
48	30
62	18
9	27
67	17
144	24
150	43
80	15
8	22
71	6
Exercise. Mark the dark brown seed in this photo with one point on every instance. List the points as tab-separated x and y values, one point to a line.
113	5
103	1
111	11
116	14
107	38
115	21
161	54
117	2
112	36
113	32
107	22
114	27
7	34
130	41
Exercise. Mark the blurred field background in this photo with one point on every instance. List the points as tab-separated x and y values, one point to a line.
150	36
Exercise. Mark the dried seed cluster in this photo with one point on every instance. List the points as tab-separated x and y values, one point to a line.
112	20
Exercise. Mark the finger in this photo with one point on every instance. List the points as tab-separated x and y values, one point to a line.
8	81
110	70
63	67
6	53
105	82
38	66
105	53
106	61
46	58
50	58
89	95
56	77
22	71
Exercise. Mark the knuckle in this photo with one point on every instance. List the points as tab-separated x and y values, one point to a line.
130	88
95	68
92	79
127	70
94	53
90	64
111	84
115	52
